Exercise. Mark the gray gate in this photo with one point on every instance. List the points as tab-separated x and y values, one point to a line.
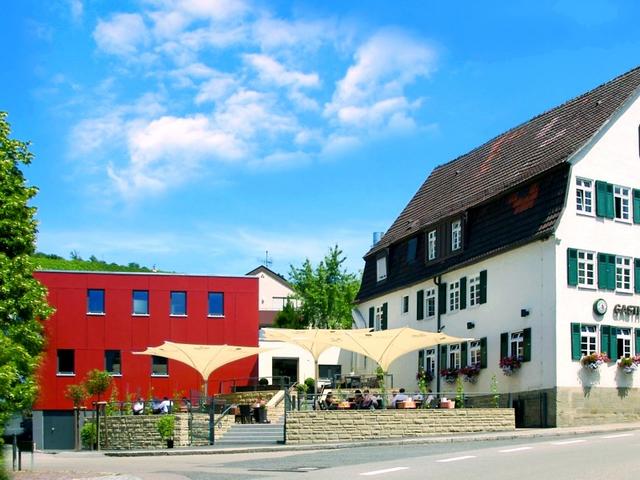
57	430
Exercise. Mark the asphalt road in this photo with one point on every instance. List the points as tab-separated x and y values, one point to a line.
602	456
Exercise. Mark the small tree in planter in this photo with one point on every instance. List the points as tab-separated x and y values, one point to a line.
424	377
629	364
77	394
97	382
510	365
166	425
89	435
594	360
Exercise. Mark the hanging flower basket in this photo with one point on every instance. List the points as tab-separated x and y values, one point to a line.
594	360
450	375
629	364
470	373
510	365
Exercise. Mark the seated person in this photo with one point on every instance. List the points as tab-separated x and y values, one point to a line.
398	397
330	402
358	398
138	406
369	401
165	405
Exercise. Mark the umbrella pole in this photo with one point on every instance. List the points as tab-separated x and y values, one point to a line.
206	389
315	385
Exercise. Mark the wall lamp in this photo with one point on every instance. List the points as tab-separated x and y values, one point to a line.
470	325
524	312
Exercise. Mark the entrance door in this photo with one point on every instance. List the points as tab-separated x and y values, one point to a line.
518	406
284	367
58	429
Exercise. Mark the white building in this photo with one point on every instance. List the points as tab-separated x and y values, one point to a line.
531	245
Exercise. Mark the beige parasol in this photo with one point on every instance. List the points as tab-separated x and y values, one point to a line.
204	358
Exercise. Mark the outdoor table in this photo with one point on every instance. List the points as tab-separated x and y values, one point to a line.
344	405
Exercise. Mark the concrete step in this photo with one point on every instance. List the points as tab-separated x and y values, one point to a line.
240	433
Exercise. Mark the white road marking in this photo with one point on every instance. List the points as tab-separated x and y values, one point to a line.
518	449
455	459
619	435
568	442
386	470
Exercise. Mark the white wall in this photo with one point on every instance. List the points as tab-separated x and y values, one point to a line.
612	156
271	293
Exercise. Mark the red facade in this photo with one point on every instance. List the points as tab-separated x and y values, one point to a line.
89	335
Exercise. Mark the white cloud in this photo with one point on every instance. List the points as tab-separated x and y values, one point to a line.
122	34
338	145
276	34
372	91
280	160
76	9
216	88
272	71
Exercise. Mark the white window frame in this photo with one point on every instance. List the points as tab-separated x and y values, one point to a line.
475	353
624	267
454	359
584	196
473	291
378	318
516	344
432	238
588	339
624	335
587	270
404	305
456	235
381	268
430	302
454	296
623	194
429	362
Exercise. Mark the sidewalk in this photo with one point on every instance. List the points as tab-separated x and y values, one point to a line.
466	437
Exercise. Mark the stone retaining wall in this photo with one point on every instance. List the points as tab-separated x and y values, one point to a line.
331	426
596	405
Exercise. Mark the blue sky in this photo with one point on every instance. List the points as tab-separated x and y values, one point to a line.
195	135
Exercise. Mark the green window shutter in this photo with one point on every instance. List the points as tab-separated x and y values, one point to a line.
372	317
575	341
443	357
606	271
636	269
383	323
636	206
483	352
464	360
604	199
605	339
504	345
420	359
420	305
611	272
526	333
637	341
572	266
483	286
613	344
463	293
442	298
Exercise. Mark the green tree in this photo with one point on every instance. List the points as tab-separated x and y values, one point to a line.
289	317
23	304
97	382
326	293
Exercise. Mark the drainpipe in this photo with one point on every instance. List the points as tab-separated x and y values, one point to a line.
437	280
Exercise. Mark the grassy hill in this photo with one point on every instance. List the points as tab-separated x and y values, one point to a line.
46	261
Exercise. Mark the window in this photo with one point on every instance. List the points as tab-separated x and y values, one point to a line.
454	296
453	356
216	304
427	360
516	344
379	317
584	196
623	338
588	339
66	362
112	362
475	353
159	366
586	269
622	202
623	274
404	309
95	301
474	291
411	250
431	245
381	268
430	302
178	303
140	300
456	235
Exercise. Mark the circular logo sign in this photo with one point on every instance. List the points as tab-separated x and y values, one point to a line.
600	306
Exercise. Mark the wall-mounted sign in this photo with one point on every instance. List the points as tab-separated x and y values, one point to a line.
626	310
600	306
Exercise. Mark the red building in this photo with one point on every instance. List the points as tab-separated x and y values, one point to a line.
101	318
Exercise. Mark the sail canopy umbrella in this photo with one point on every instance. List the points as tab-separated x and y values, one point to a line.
203	358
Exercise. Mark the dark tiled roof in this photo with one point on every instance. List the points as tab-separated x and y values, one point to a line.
270	272
511	158
514	218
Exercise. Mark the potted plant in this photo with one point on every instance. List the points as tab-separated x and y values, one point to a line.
470	373
88	435
629	364
166	425
449	374
594	360
510	365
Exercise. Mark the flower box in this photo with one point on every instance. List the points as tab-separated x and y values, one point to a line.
470	373
449	375
629	364
510	365
594	360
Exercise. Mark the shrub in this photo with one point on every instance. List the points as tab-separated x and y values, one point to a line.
88	434
166	425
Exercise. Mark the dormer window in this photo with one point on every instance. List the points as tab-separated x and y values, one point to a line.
456	235
381	268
